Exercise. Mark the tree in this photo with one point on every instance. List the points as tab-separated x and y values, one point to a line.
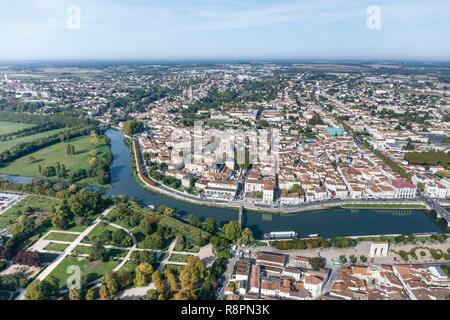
125	278
146	226
52	285
171	279
194	220
157	281
144	273
131	127
43	290
247	237
104	236
183	295
166	211
36	291
144	256
232	231
151	295
104	293
316	263
121	238
153	241
92	294
210	225
192	273
110	280
95	140
98	252
75	294
29	258
93	162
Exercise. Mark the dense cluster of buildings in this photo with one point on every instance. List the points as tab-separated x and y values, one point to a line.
391	282
305	155
275	276
306	135
284	277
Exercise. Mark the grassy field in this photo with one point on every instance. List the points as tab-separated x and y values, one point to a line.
173	267
383	206
10	127
38	204
56	246
56	153
129	266
82	250
57	236
179	257
75	228
11	143
49	257
93	270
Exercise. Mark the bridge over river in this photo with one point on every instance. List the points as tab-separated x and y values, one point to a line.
441	212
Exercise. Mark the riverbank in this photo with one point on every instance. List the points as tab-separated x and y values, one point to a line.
154	186
385	206
331	221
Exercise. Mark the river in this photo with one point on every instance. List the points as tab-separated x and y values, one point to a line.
328	223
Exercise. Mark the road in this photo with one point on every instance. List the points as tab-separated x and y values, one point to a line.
441	211
169	253
226	277
330	281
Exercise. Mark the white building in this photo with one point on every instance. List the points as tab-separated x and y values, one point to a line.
379	249
268	194
313	285
404	189
222	190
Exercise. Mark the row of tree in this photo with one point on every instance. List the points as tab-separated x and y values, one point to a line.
25	148
30	131
62	120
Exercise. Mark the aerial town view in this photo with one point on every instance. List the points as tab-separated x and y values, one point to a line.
278	176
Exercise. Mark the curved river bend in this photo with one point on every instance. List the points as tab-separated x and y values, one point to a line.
328	223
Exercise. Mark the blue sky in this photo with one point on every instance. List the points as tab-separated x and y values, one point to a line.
192	29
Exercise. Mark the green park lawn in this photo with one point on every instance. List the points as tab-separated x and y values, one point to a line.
11	127
56	246
29	165
129	266
6	145
179	257
59	236
173	267
93	270
36	203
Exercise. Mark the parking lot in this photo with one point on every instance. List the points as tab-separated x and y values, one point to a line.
7	200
